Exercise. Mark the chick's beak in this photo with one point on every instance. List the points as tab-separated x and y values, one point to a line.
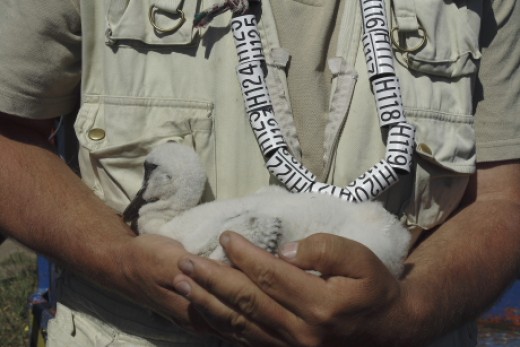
131	213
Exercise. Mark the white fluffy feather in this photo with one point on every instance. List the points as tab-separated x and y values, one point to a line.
268	218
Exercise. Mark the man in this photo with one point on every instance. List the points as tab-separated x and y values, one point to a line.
142	85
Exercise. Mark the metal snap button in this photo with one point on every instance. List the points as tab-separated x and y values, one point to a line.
96	134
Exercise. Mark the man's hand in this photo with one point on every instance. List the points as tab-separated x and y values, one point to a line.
147	264
451	277
273	302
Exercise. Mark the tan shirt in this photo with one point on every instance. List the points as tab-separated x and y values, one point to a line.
304	29
497	114
40	55
40	77
498	91
51	36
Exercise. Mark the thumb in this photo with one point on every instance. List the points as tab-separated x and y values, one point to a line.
331	255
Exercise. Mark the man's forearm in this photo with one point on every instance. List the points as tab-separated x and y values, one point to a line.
46	206
466	264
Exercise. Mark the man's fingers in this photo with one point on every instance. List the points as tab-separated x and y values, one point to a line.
271	274
289	285
332	255
351	274
269	300
233	307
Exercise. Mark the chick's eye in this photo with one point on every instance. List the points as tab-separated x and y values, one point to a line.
163	179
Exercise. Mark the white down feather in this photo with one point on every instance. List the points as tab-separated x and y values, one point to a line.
268	218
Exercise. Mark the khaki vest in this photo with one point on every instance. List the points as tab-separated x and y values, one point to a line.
142	88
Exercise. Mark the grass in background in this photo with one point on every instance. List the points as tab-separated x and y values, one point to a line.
18	277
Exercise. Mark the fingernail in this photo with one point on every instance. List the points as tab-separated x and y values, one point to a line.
183	288
224	239
186	266
289	250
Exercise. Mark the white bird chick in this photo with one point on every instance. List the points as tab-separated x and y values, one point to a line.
268	218
174	180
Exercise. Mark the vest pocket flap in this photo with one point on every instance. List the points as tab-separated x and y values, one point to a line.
117	133
153	22
445	140
450	33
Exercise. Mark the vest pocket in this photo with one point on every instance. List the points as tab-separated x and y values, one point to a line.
116	133
450	30
437	82
445	158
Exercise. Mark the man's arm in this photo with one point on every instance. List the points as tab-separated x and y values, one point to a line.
46	207
452	276
463	267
